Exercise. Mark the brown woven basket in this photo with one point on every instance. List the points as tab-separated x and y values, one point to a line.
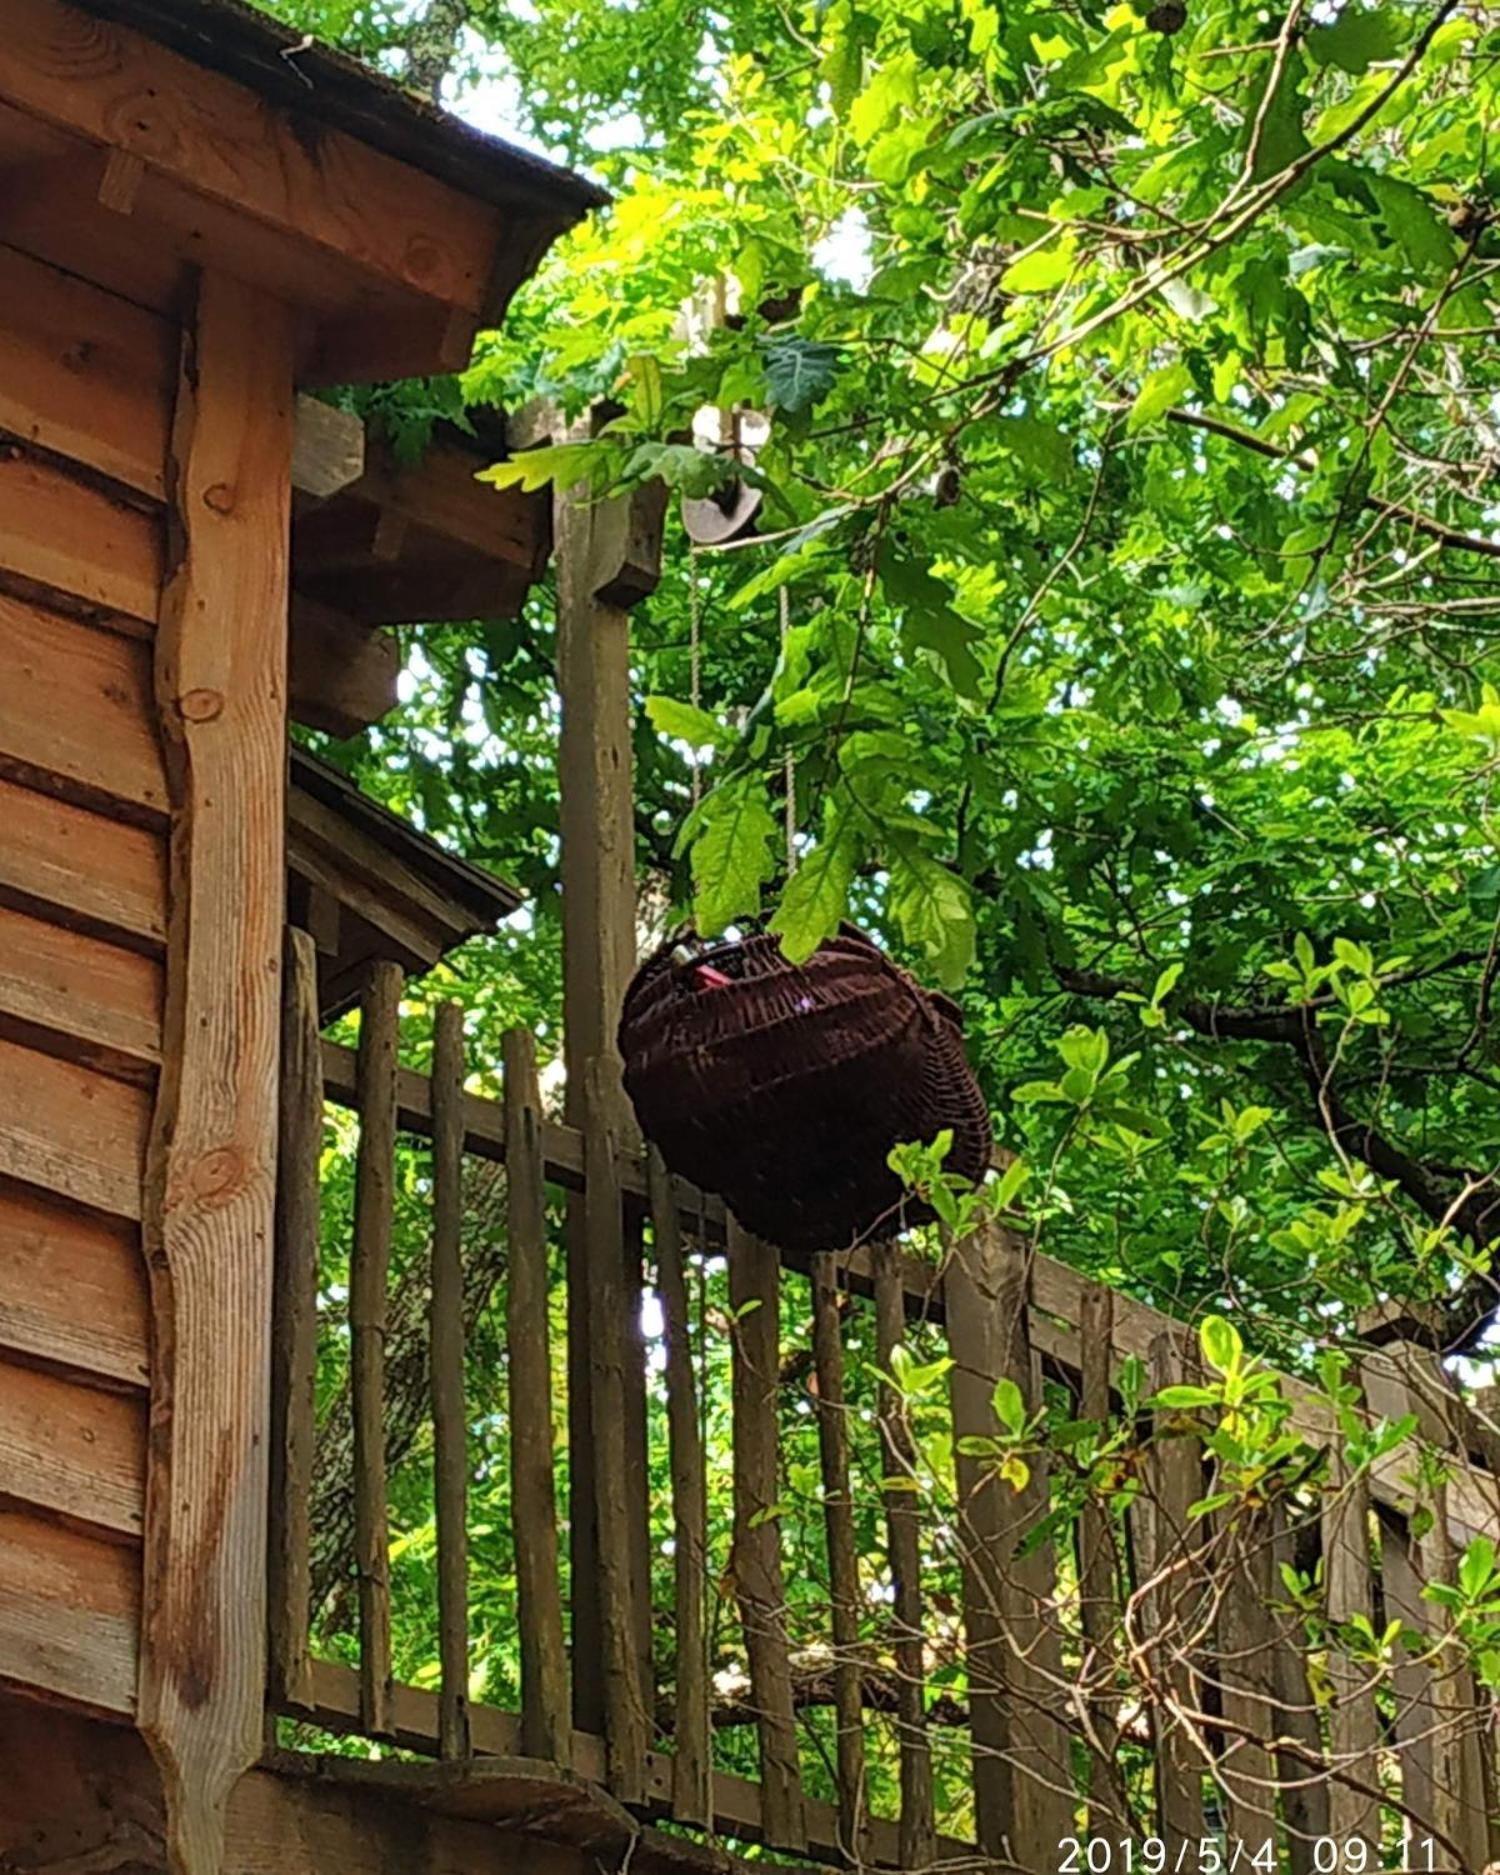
784	1089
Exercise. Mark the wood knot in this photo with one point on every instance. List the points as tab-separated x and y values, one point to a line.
423	258
202	706
220	497
219	1176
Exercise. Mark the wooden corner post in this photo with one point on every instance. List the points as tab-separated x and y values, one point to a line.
211	1165
608	557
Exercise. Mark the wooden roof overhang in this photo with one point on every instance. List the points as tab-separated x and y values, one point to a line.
367	884
142	140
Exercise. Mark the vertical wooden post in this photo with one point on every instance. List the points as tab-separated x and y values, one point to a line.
1022	1753
626	1717
754	1295
1353	1722
1304	1798
903	1520
369	1273
1247	1681
1098	1585
450	1427
220	676
843	1560
1171	1607
546	1724
294	1328
692	1764
603	566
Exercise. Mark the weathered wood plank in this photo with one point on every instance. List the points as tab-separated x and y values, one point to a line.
369	1274
210	1211
72	1131
1170	1585
1304	1795
63	534
76	710
546	1722
294	1327
1098	1582
72	1612
72	1288
76	996
450	1427
72	1449
692	1764
98	875
1247	1643
1023	1801
626	1705
1353	1720
217	141
754	1294
88	375
903	1521
845	1600
343	673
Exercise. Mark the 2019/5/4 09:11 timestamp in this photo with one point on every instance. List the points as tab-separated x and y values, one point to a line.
1215	1855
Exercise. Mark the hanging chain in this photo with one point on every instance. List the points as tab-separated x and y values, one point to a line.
789	761
695	613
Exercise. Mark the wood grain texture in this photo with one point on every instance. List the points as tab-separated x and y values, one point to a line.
76	709
450	1427
324	191
221	695
72	1449
94	873
294	1327
71	1602
692	1766
620	1590
72	1288
1169	1581
369	1302
843	1558
87	374
546	1722
76	996
1099	1579
903	1523
759	1582
70	537
72	1131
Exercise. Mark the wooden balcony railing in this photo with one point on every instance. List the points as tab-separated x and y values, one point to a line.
1005	1661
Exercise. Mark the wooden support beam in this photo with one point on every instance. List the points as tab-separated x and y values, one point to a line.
210	1183
343	672
450	1425
328	448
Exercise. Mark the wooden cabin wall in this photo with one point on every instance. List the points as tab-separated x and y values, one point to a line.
87	384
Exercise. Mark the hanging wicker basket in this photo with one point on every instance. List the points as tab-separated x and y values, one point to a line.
783	1087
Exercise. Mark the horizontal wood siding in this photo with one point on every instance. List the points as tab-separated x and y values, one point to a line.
87	375
63	533
72	1449
72	1287
75	711
71	1612
86	389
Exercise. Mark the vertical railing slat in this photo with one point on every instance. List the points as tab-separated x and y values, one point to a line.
1098	1586
626	1720
1353	1719
1247	1683
754	1292
374	1201
903	1518
294	1333
692	1764
546	1718
843	1559
1170	1586
450	1428
1022	1750
1304	1795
